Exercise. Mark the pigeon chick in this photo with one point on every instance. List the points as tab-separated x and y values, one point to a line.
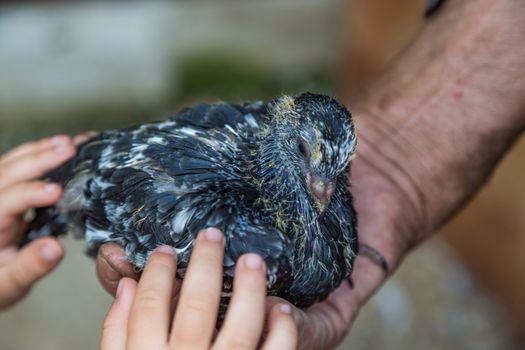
273	177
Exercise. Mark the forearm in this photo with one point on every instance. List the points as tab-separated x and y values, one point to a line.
439	120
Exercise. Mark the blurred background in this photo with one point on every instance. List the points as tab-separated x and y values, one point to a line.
71	66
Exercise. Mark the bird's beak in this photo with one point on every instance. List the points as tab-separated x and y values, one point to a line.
322	190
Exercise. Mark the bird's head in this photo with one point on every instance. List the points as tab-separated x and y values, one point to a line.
309	141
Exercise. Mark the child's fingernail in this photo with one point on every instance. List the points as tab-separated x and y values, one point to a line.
253	261
166	249
285	308
49	252
212	234
51	188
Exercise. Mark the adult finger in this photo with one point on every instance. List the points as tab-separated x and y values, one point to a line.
282	331
33	262
15	200
150	315
367	277
112	266
200	295
245	316
115	327
32	147
35	164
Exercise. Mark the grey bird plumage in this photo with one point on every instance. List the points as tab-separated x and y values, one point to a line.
273	177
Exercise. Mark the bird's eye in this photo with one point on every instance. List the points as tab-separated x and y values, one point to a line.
303	149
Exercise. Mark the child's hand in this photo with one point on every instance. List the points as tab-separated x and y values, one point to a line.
141	316
20	191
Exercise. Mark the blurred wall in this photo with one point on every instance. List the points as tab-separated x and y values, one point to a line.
56	59
489	235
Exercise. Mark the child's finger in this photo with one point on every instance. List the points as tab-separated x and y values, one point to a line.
115	328
245	315
33	262
282	330
33	147
84	137
150	315
7	255
200	294
34	164
15	200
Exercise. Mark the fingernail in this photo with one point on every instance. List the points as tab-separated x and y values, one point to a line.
253	261
212	234
49	252
285	308
51	188
120	288
166	249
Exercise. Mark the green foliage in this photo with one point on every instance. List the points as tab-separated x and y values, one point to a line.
212	76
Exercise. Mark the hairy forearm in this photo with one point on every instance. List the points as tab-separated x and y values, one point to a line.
437	122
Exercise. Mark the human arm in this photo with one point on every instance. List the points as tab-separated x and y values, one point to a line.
431	130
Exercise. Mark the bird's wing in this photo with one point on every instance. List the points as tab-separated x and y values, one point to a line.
163	182
135	213
246	118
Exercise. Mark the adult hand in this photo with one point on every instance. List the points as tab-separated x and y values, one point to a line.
431	130
141	317
20	191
